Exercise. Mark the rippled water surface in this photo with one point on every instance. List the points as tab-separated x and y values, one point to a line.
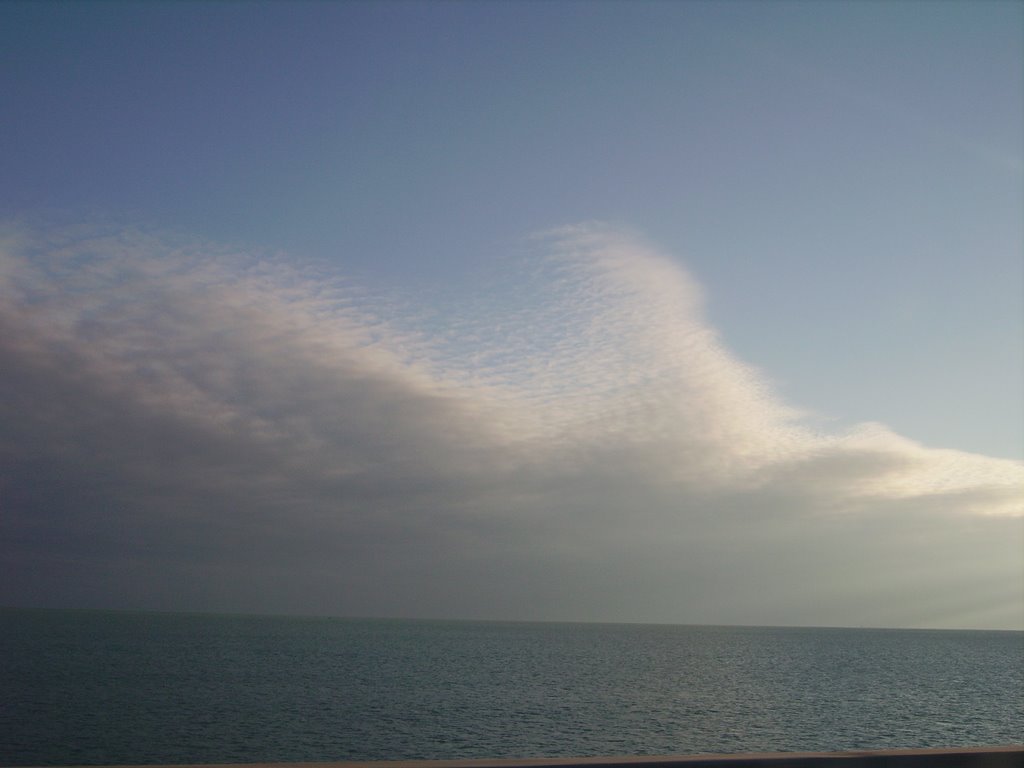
106	688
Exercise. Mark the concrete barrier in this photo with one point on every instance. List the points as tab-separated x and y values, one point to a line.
966	757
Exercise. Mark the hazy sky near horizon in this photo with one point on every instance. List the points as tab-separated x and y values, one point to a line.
684	312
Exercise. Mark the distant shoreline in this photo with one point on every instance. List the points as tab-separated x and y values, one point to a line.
464	620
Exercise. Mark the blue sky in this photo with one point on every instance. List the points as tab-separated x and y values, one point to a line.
801	219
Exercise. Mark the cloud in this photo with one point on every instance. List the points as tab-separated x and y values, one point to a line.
188	427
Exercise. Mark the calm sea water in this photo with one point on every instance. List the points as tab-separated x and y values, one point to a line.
95	687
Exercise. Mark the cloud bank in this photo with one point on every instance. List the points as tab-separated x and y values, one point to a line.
187	427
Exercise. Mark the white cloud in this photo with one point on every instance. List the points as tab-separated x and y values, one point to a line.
573	441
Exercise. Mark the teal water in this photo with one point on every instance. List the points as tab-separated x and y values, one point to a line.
106	688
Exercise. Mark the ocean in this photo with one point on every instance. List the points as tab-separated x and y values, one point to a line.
91	687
